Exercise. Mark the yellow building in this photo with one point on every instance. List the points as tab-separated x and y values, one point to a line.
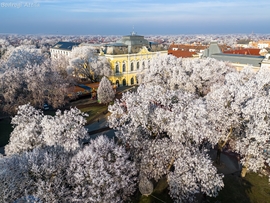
129	56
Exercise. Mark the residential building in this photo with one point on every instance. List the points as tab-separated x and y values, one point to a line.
194	50
186	50
245	43
239	61
62	49
244	51
261	44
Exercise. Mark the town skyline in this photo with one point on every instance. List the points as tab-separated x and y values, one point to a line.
118	17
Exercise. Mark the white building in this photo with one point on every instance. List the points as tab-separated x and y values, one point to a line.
62	48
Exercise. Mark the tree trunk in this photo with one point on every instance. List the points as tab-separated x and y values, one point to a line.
220	146
244	171
218	156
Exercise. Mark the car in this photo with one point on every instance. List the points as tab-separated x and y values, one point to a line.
46	107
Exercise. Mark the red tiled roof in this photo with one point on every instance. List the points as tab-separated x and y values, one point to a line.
185	47
182	54
247	51
185	50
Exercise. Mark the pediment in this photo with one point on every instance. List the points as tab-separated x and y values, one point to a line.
144	50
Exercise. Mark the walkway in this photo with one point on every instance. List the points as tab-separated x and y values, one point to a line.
229	164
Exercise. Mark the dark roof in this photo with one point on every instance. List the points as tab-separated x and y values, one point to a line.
243	41
65	45
239	58
84	87
116	44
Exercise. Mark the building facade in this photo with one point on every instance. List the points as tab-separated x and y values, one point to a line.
129	56
239	61
62	49
186	50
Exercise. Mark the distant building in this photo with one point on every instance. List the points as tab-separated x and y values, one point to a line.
239	61
128	56
62	49
266	61
186	50
245	43
244	51
261	44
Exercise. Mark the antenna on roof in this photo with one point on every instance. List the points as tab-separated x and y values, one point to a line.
133	32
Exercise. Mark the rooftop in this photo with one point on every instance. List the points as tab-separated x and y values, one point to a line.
247	51
65	45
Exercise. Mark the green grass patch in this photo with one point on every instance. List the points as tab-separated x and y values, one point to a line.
257	188
94	111
251	189
5	130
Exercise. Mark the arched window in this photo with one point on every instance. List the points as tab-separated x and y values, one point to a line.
131	67
143	65
132	81
117	83
124	67
138	65
124	82
116	68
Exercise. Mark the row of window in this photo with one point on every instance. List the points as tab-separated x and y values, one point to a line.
124	82
60	51
132	68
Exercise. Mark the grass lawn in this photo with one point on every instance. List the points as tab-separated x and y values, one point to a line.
94	111
251	189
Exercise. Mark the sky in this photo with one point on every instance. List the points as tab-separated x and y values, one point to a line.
146	17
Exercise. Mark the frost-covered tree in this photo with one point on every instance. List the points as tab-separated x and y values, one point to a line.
101	172
39	175
163	128
105	91
228	94
23	55
33	129
193	75
85	62
60	64
35	84
171	121
240	109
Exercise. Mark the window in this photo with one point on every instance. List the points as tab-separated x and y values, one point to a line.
124	82
124	67
132	81
116	68
138	65
131	67
143	65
